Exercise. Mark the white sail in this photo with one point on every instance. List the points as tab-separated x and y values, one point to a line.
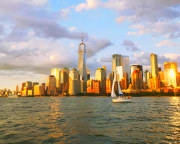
119	89
113	94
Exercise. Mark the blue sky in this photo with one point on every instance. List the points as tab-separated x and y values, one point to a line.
37	35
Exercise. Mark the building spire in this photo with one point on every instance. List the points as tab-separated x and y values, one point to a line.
82	37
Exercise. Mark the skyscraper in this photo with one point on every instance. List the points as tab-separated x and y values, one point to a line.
154	65
64	80
82	62
117	60
170	73
56	72
100	74
136	67
137	76
126	68
51	85
74	82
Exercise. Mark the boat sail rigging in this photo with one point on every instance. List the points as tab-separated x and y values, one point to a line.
120	97
113	94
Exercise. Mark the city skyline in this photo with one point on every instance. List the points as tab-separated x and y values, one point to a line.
45	34
77	81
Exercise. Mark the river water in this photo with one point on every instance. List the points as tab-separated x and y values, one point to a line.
89	120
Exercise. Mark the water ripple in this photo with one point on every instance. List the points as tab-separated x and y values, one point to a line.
89	120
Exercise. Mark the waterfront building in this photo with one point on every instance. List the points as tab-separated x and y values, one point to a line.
26	86
51	85
64	81
93	86
124	81
178	79
154	65
170	74
162	79
90	86
134	68
30	92
147	79
57	73
43	88
39	90
137	79
97	87
17	90
126	68
100	76
74	82
154	71
146	76
108	85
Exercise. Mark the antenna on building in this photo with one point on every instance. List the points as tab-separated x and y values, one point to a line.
82	37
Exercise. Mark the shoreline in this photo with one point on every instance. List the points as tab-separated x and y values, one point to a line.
85	96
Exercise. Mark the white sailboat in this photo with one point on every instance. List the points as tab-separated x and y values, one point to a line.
120	98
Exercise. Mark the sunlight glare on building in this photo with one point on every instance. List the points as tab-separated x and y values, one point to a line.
172	73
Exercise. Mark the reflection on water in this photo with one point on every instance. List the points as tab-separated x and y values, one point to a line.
174	120
89	120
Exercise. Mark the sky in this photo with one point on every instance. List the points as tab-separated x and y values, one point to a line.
37	35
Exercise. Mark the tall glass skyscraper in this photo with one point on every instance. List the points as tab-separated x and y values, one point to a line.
117	60
82	62
154	65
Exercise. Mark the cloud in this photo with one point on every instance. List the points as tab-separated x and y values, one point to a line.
34	38
156	16
166	29
1	30
73	28
167	43
65	12
130	45
95	45
89	4
25	17
120	19
39	54
143	10
138	10
173	56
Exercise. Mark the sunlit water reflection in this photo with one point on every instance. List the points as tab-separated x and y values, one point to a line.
89	120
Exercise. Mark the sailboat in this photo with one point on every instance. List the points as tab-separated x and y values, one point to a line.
120	98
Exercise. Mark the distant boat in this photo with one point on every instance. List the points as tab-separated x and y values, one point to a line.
120	98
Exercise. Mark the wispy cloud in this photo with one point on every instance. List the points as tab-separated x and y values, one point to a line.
130	45
167	43
153	15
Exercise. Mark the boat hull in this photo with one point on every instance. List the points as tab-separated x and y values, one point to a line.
120	100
